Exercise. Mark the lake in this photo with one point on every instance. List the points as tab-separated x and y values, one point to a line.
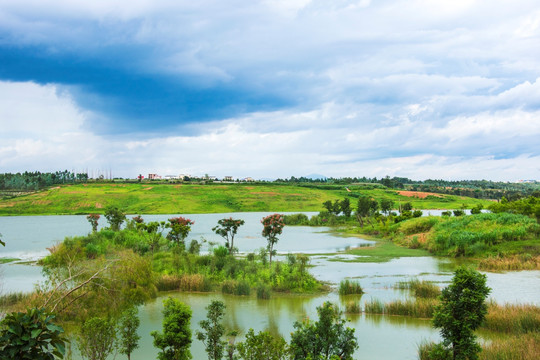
27	237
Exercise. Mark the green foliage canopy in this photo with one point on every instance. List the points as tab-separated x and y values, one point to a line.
272	227
326	339
227	229
213	330
461	312
175	340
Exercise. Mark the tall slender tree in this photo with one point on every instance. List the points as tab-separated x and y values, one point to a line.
227	229
272	227
461	311
213	330
175	340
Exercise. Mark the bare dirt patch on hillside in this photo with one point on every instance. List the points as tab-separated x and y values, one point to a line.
418	194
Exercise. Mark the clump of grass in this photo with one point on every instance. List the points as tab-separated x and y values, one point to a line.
168	282
374	306
420	308
513	319
353	307
13	298
263	292
418	225
348	287
194	282
525	347
236	287
420	288
429	350
521	262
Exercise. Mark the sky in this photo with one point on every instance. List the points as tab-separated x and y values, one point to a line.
440	89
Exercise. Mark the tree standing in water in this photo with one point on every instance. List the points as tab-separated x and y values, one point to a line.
272	227
227	229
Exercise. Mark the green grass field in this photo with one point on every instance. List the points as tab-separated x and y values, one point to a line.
148	198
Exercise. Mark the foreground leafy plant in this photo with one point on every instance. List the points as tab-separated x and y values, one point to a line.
31	335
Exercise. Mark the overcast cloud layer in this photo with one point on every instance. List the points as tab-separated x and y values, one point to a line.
420	88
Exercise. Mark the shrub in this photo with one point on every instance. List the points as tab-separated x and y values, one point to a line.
296	219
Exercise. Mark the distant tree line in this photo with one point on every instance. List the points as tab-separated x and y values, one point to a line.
36	180
479	189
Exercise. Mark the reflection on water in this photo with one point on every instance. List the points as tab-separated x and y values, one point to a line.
278	315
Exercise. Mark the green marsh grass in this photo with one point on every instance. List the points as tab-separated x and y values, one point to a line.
353	307
420	288
513	319
374	306
524	347
263	292
420	308
348	287
510	263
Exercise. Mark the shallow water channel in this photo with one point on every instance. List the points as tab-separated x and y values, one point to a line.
379	337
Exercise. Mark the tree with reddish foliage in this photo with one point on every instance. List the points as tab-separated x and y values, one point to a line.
180	228
227	229
138	219
93	220
272	227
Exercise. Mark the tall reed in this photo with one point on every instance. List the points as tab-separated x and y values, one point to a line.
348	287
421	308
420	288
524	347
513	319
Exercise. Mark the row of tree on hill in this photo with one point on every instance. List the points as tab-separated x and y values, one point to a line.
480	189
28	181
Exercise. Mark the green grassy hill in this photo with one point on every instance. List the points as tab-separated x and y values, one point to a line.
148	198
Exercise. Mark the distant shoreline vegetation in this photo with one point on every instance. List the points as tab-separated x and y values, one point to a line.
481	189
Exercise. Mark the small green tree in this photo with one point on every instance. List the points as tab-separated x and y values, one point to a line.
93	220
115	217
227	229
97	338
461	311
262	346
213	330
366	207
31	336
175	341
477	209
386	206
327	338
127	331
272	227
406	207
345	207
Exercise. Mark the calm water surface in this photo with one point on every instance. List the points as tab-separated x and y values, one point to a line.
27	237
